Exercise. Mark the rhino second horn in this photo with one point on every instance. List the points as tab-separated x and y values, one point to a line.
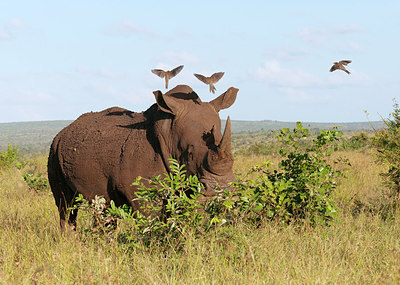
225	144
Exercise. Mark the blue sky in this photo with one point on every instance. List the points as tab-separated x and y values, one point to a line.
60	59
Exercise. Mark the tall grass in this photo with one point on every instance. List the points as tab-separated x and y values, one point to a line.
362	183
362	247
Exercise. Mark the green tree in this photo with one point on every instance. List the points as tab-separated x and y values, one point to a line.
387	143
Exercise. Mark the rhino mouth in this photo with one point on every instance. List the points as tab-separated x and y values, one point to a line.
212	185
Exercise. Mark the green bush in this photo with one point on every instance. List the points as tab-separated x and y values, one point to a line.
36	182
9	158
387	144
356	142
298	190
96	221
310	179
171	208
171	211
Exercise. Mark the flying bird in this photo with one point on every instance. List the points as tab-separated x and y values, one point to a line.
339	65
167	74
210	80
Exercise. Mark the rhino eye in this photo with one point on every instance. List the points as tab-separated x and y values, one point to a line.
189	151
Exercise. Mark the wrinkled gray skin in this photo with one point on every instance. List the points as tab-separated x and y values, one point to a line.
101	153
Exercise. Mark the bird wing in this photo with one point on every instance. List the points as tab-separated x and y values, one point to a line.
345	62
176	70
216	76
333	68
344	69
159	72
201	78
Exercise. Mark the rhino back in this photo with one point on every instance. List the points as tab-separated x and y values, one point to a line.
102	152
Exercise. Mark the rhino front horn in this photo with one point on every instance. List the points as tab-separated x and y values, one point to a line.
221	160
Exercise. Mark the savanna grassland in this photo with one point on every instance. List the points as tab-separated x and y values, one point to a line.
361	246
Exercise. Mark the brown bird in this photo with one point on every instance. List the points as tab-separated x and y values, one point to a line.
339	65
167	74
210	80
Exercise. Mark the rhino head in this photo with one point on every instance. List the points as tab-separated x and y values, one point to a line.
190	132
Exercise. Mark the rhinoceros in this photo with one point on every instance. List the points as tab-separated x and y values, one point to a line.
101	153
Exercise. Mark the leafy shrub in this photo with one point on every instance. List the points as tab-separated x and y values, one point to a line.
171	208
387	144
170	211
355	142
9	157
310	178
96	220
36	182
298	190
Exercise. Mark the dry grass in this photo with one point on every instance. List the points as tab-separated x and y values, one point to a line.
362	184
358	249
243	163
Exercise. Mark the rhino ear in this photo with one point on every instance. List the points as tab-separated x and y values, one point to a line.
225	100
166	103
